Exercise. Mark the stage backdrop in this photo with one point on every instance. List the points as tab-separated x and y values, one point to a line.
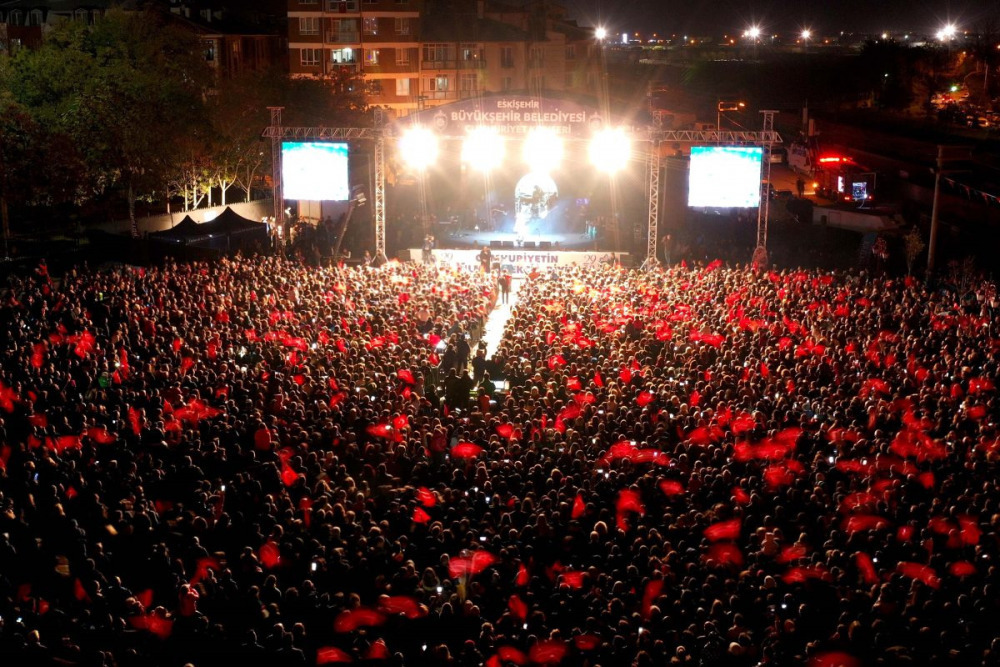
520	262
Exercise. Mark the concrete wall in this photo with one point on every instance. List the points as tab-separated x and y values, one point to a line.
255	210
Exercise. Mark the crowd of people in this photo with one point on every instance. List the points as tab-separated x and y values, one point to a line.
255	462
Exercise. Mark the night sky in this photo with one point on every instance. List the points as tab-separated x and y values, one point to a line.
826	17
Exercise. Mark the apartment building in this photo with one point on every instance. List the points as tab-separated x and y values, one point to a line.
414	54
378	39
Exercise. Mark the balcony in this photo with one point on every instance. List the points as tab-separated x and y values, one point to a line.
349	7
343	37
389	68
439	95
346	66
452	64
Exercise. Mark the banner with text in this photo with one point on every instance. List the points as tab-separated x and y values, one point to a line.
521	262
510	115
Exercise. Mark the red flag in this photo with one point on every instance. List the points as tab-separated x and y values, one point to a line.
202	567
523	577
406	376
505	430
723	554
625	375
962	568
705	435
8	397
573	579
153	622
574	384
466	450
352	619
329	655
598	380
547	652
924	573
426	497
791	553
145	598
270	555
800	575
62	443
694	398
834	659
79	592
461	566
777	476
740	495
652	591
420	516
578	507
38	355
402	604
377	651
645	398
628	501
866	567
671	487
135	420
724	530
977	385
517	608
511	654
969	532
379	430
859	522
100	435
586	642
288	475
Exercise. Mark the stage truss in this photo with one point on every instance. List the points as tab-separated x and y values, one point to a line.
654	138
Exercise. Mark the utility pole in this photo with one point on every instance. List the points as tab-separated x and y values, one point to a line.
944	154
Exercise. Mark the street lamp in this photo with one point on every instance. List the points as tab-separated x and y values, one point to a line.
753	32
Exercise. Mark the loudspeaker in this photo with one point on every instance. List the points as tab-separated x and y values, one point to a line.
507	244
545	245
528	245
495	244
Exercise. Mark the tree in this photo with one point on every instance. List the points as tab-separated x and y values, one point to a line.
126	90
37	168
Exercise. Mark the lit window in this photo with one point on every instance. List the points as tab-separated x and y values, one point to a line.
370	25
402	87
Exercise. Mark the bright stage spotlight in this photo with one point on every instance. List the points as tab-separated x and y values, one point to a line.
610	150
483	149
543	150
418	147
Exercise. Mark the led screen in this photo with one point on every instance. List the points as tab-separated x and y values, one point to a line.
314	171
725	176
